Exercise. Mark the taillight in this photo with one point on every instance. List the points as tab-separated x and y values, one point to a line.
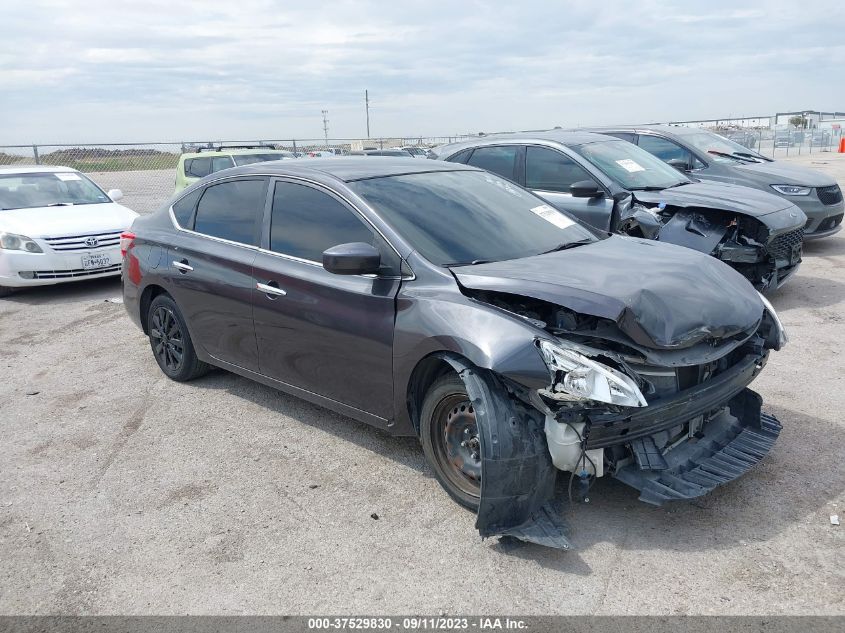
127	239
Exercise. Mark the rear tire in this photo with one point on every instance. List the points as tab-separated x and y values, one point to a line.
171	343
449	435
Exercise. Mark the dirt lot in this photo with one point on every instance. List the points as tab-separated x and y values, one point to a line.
123	492
144	191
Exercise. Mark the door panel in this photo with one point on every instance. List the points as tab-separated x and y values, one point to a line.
549	173
593	211
329	334
211	282
210	267
326	333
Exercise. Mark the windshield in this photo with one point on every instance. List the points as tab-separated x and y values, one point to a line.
464	217
249	159
630	166
708	142
25	191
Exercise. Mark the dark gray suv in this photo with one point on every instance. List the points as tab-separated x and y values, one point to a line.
709	156
438	300
618	187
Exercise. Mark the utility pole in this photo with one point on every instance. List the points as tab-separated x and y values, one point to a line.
367	107
326	126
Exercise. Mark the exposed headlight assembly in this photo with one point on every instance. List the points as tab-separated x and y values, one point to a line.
12	242
783	339
575	377
792	190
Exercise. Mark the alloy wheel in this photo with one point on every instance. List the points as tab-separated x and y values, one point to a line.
168	344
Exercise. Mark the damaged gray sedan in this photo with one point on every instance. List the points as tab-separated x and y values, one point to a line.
441	301
616	186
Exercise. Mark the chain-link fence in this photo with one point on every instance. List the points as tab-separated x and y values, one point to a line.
146	172
782	141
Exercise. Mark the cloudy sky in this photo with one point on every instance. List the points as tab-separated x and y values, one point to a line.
74	71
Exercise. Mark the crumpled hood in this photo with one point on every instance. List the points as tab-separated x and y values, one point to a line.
780	173
717	195
662	296
67	220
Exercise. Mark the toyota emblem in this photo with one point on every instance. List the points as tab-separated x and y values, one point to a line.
92	242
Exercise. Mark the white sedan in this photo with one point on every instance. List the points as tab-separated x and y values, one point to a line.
56	225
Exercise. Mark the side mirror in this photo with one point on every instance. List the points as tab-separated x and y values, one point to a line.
355	258
678	163
585	189
115	195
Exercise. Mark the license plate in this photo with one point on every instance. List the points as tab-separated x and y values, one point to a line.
95	260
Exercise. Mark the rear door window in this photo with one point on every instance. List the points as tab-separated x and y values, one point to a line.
500	160
625	136
232	210
550	170
197	167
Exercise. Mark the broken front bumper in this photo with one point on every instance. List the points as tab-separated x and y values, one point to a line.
725	446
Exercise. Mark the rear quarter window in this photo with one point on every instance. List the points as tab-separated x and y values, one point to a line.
197	167
183	209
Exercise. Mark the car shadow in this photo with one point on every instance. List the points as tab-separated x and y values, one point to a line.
404	450
825	247
70	292
796	480
804	291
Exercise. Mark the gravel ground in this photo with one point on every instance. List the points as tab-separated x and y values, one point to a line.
144	191
123	492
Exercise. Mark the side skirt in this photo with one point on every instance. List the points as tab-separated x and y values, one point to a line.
310	396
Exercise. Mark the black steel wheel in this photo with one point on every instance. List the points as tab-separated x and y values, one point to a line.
449	434
170	341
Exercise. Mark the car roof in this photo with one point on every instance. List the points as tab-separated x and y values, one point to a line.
678	130
32	169
347	168
569	138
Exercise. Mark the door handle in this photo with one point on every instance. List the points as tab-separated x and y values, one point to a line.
182	266
270	290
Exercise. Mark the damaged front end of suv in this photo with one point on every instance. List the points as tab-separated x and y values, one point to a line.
645	379
734	224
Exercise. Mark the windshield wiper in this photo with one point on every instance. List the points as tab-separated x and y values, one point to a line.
754	157
680	184
60	204
734	156
648	188
567	245
472	263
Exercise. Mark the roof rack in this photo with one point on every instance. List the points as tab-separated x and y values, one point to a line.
219	148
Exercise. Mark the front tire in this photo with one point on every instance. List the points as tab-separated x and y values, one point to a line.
450	440
5	291
171	343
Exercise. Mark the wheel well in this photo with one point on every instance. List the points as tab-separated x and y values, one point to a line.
150	293
427	371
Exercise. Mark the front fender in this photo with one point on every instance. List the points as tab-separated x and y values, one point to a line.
490	338
517	473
